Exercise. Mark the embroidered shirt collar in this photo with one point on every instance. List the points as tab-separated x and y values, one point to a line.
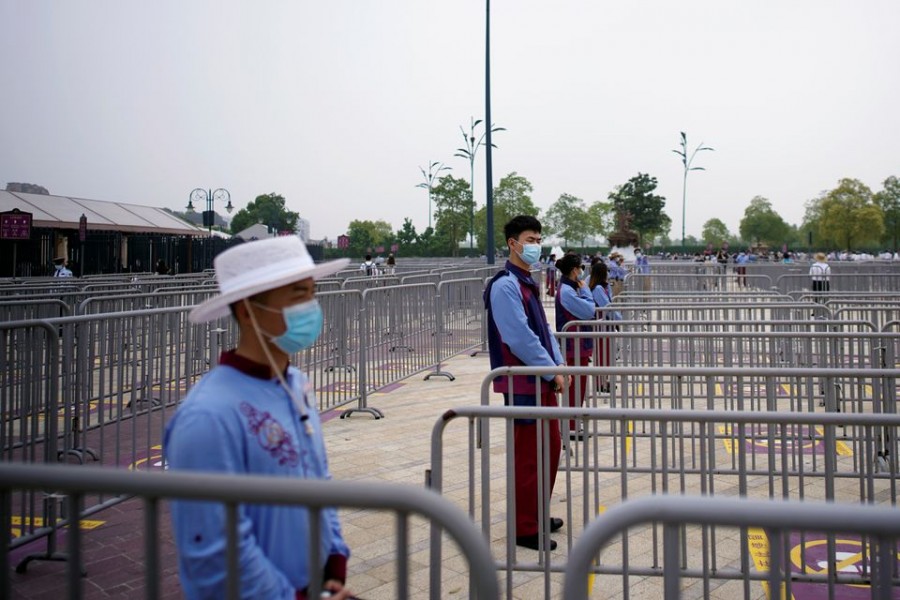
246	366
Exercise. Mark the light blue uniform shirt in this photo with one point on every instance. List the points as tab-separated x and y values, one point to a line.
509	316
603	297
580	303
233	423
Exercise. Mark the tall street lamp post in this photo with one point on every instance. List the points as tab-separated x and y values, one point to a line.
433	169
469	153
198	195
687	161
488	166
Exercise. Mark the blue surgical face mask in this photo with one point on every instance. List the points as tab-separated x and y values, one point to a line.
530	254
304	324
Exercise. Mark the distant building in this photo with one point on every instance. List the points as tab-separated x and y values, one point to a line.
254	232
303	229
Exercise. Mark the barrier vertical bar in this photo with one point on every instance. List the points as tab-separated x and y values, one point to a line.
231	551
672	562
365	325
440	330
151	548
74	570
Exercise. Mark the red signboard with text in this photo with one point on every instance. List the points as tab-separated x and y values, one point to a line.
343	242
15	225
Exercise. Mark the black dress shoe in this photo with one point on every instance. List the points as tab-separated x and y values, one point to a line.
556	524
532	541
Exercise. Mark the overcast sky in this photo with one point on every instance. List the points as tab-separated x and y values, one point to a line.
336	104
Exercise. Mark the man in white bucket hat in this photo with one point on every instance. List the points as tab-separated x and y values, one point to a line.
256	414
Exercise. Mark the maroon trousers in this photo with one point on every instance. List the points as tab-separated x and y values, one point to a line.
529	471
575	392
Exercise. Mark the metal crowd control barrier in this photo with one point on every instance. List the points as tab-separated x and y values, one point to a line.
332	363
847	296
397	325
842	282
434	278
459	313
725	445
403	501
632	296
758	310
846	549
22	310
704	279
157	299
369	282
695	345
877	312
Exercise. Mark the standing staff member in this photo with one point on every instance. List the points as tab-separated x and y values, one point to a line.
256	414
575	303
61	270
602	295
518	334
820	273
551	275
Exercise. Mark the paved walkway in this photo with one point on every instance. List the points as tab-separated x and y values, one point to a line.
397	449
393	449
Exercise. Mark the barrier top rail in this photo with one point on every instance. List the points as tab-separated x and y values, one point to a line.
876	521
264	490
685	372
721	325
680	415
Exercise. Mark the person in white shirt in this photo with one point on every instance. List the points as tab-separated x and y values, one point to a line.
61	270
369	266
820	274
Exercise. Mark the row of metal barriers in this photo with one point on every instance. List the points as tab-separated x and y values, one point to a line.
737	509
99	387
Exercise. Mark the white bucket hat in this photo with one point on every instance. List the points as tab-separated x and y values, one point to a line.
258	266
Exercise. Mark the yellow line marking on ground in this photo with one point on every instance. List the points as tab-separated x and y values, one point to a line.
730	443
629	438
19	523
600	510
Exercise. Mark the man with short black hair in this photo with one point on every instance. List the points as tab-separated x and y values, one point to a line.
519	334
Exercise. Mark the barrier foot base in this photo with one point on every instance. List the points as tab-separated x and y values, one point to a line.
79	453
446	374
22	567
366	409
477	352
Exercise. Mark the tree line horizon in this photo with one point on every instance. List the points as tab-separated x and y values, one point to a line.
847	217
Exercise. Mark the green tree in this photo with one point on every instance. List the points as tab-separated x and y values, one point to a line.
368	234
601	218
268	209
715	232
646	208
568	219
453	201
849	215
406	235
808	232
427	243
512	197
888	200
762	224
